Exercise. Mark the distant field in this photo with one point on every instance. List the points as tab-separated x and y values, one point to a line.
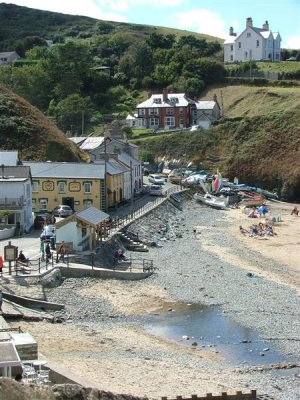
282	66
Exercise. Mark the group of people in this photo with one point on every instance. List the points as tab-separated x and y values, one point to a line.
46	251
260	229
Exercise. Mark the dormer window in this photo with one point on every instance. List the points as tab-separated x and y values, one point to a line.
174	100
157	100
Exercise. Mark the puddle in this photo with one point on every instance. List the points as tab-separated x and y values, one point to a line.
212	330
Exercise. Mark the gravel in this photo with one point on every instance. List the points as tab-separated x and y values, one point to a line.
191	274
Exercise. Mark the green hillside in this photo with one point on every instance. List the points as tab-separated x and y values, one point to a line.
18	22
26	129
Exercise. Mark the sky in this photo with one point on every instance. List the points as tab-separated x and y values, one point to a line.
212	17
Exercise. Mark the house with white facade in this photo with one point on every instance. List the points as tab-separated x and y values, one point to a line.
258	44
8	57
81	230
207	111
16	197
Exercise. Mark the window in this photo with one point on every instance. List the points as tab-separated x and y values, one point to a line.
61	187
33	203
83	232
142	111
43	204
231	58
174	100
231	47
153	111
181	110
157	100
153	121
240	45
246	54
257	43
87	202
35	186
87	187
170	111
169	121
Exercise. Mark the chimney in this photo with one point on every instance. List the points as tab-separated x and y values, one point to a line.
165	95
266	26
231	31
249	22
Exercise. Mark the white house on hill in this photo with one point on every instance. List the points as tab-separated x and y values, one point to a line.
258	44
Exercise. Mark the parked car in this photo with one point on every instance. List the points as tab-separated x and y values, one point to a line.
155	190
156	179
62	211
48	232
39	221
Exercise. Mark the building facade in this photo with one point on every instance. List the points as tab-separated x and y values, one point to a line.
165	111
258	44
16	198
77	185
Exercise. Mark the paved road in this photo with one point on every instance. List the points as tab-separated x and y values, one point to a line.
30	242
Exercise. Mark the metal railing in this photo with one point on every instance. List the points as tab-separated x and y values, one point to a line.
40	264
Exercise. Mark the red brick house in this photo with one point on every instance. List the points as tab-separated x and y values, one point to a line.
166	111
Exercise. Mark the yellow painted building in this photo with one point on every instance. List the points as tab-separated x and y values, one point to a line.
75	184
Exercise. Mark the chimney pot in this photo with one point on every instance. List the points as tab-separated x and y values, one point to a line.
249	22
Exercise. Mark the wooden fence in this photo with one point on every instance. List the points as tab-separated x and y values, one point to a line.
224	395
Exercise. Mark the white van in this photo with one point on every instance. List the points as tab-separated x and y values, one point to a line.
155	190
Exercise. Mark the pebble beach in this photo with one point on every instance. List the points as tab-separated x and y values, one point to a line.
203	259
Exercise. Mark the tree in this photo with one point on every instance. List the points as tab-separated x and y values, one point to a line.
72	113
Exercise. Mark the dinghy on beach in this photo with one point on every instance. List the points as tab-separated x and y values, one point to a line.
212	201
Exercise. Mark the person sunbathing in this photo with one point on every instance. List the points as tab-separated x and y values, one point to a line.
243	230
295	211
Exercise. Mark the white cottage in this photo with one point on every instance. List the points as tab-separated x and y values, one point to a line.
81	230
258	44
16	197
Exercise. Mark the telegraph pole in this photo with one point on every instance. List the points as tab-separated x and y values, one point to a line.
131	187
105	178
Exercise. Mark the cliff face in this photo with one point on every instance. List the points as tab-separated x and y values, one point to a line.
26	129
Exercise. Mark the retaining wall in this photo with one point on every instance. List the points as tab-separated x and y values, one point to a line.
103	273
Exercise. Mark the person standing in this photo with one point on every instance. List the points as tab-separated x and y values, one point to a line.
42	250
1	266
1	300
61	252
48	252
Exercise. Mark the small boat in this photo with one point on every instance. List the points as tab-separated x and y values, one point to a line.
212	201
251	199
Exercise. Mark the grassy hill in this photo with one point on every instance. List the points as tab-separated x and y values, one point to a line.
18	22
258	140
26	129
249	101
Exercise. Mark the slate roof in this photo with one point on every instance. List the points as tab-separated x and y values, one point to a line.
15	172
78	139
92	143
9	355
8	157
91	215
125	158
205	105
65	170
156	101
